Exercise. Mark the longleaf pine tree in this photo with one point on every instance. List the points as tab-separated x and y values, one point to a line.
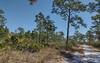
69	10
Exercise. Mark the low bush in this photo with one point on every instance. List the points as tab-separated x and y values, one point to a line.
97	44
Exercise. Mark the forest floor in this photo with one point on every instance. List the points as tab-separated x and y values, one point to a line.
45	55
49	55
88	55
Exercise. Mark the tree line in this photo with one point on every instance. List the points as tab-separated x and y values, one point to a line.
40	37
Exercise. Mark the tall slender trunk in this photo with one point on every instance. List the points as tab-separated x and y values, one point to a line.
37	38
68	25
47	37
40	35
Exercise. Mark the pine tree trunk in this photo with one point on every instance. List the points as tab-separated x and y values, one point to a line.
40	36
68	24
47	37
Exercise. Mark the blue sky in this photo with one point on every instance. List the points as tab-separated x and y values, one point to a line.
20	14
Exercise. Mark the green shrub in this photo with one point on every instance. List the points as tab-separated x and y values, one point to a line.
97	44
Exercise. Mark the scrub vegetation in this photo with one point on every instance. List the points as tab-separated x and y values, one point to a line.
44	42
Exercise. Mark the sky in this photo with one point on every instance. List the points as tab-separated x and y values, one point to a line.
20	14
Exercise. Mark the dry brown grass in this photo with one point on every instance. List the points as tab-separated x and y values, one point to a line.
46	55
77	49
16	57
